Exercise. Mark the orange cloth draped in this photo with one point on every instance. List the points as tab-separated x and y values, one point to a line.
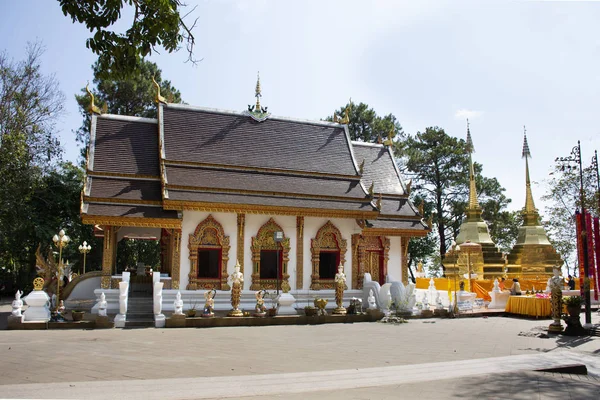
531	306
481	291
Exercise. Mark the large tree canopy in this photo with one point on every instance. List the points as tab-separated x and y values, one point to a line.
132	96
366	126
155	23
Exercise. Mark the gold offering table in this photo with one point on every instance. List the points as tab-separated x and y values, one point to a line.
529	305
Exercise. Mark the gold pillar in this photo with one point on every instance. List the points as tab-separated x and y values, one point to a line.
108	255
241	223
299	252
175	254
404	263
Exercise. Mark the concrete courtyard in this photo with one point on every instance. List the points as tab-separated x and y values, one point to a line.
430	358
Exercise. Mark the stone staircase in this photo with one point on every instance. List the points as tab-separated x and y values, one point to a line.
140	310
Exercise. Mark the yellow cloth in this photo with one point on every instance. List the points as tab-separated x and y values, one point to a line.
531	306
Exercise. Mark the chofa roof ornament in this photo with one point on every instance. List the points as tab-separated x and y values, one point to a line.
257	112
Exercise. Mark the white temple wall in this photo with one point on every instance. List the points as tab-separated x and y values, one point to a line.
395	260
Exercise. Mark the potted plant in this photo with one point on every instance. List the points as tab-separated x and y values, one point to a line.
573	304
191	312
77	315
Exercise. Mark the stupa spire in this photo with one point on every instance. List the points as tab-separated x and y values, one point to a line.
473	210
257	93
530	214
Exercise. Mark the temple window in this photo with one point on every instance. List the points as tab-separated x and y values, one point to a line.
328	250
264	258
209	254
269	264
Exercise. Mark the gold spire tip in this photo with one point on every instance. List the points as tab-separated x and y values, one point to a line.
158	98
526	153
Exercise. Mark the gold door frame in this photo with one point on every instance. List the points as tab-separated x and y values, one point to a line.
208	234
264	240
360	245
328	237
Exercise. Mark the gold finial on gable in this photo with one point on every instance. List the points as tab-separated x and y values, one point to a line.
335	118
371	189
391	135
158	98
361	168
378	204
92	109
346	119
421	208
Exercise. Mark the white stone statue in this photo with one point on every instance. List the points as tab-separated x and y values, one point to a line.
237	279
496	288
102	306
237	276
178	304
372	303
17	304
425	302
438	302
158	295
123	295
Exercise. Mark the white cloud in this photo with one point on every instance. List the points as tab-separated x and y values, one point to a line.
464	113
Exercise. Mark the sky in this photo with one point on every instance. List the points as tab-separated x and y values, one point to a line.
502	64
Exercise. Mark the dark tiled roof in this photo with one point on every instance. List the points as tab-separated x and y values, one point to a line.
379	168
128	189
395	224
184	195
195	135
129	147
397	207
263	182
122	210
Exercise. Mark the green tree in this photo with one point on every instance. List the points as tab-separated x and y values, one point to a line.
366	126
439	165
155	23
563	200
132	96
30	104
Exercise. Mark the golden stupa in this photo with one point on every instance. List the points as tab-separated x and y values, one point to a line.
533	256
486	260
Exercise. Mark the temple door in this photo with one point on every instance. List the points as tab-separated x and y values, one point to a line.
374	266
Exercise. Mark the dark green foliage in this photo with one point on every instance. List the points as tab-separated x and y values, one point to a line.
155	23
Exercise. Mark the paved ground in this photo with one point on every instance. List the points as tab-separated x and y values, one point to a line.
437	358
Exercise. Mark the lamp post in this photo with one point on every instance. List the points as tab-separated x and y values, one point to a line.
60	241
470	247
84	249
278	237
575	157
455	250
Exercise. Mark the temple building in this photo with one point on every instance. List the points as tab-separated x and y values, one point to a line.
532	256
287	199
485	260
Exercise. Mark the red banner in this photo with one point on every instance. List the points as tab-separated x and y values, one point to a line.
580	258
594	272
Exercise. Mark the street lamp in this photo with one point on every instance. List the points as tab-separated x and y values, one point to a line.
278	237
575	157
60	241
455	250
84	249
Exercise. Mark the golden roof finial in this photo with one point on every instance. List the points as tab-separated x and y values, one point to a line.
158	98
346	119
378	204
371	189
361	168
422	208
531	217
93	109
257	93
335	117
391	135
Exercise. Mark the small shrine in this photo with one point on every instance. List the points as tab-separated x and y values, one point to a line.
533	256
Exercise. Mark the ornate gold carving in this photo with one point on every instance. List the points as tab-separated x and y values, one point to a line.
299	252
208	233
38	283
328	237
176	258
241	224
108	255
129	221
264	240
262	209
92	109
404	263
367	251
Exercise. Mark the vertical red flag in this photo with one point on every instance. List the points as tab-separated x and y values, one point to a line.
595	271
580	244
